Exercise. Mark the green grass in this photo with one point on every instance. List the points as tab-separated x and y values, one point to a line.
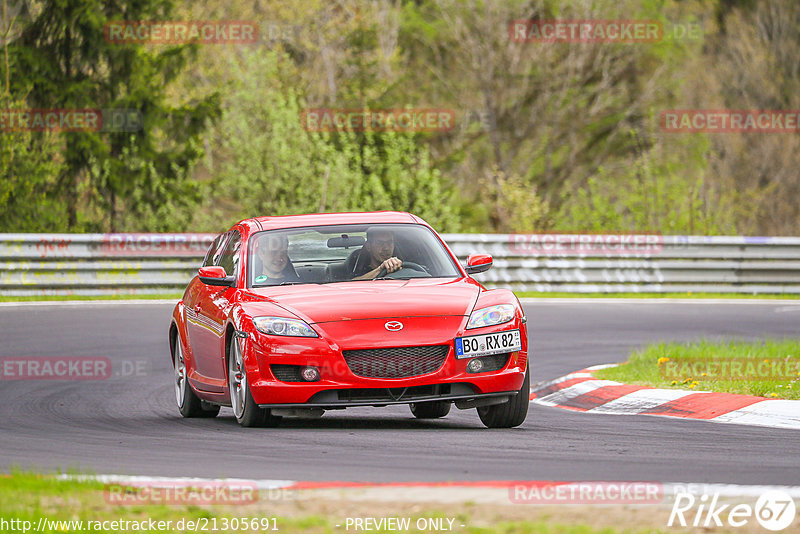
689	295
730	367
26	496
38	298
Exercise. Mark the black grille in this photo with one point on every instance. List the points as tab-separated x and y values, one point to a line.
399	362
286	373
495	362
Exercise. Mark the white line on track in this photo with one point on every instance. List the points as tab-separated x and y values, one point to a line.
86	302
167	482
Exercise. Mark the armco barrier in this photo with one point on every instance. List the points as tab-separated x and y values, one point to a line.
98	264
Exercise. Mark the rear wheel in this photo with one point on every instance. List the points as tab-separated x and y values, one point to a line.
511	413
245	409
430	410
188	403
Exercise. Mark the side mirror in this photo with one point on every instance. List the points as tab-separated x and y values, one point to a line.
478	263
215	276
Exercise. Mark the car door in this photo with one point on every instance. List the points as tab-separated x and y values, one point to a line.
212	313
203	334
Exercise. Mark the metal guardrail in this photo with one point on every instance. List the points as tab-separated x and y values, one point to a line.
100	264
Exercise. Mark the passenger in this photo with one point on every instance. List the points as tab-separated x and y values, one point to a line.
276	267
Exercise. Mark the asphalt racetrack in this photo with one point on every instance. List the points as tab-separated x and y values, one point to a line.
130	424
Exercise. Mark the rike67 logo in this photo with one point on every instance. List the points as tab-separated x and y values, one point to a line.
774	510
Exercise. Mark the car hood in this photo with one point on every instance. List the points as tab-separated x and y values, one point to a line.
373	299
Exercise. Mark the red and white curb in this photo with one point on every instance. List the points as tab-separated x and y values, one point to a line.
583	392
450	491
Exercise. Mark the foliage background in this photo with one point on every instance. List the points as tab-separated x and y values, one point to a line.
549	137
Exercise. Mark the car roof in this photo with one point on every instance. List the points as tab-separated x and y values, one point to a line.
318	219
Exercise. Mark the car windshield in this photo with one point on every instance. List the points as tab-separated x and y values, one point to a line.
327	254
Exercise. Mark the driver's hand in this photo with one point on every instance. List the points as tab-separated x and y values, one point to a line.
391	265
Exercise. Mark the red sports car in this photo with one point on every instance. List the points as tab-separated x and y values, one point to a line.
295	315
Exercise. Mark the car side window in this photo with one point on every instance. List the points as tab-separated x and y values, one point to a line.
214	251
230	255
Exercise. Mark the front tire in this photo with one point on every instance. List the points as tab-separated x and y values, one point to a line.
511	413
188	403
245	409
430	410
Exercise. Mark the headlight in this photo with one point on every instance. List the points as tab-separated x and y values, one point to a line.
281	326
502	313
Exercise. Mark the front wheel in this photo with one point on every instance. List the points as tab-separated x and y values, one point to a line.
188	403
511	413
430	410
245	409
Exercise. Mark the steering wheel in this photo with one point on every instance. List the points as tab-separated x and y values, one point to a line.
406	265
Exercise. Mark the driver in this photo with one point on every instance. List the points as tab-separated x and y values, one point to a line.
376	254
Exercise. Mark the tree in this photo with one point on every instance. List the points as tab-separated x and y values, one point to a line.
29	163
110	180
755	67
268	164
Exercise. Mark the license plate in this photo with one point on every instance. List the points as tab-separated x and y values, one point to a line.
485	344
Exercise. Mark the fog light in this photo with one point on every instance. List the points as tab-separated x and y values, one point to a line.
475	365
310	374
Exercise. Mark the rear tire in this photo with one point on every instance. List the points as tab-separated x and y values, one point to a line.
245	409
511	413
188	402
430	410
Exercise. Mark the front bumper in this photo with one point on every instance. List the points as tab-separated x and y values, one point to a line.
340	387
448	383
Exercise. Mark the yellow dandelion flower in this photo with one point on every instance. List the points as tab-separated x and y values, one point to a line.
663	359
674	382
773	395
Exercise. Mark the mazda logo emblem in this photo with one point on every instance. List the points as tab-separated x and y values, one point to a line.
393	326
